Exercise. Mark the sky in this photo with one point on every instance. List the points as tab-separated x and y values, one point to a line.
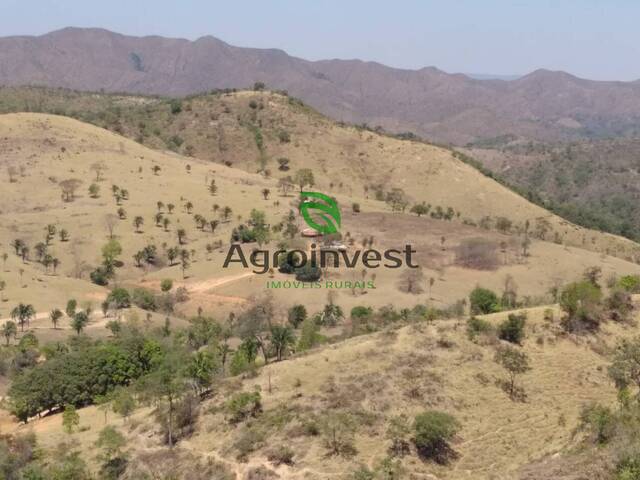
593	39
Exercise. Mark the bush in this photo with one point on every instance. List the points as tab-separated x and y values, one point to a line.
144	299
477	326
308	273
512	329
432	432
630	283
280	455
483	301
581	303
599	420
243	405
119	297
100	276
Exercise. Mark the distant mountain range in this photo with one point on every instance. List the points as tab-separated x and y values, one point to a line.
455	108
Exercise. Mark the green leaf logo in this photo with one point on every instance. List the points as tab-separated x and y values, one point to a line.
329	208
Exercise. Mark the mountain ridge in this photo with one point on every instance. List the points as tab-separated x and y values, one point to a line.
451	108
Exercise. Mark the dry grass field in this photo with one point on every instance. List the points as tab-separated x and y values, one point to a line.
378	376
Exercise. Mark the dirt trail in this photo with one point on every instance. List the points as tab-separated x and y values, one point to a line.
206	285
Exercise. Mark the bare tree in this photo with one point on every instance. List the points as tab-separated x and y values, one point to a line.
69	188
110	222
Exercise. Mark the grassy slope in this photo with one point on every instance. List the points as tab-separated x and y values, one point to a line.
222	128
377	376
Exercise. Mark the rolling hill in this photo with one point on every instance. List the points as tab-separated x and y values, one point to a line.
361	379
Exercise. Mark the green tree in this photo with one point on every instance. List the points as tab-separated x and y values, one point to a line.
420	209
123	402
138	222
515	362
625	367
433	430
512	329
79	321
23	313
296	315
200	370
483	301
70	418
70	310
112	443
167	384
110	253
282	338
9	329
581	302
55	315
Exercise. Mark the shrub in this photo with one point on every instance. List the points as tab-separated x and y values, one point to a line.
599	420
243	405
166	284
355	207
581	303
308	273
477	327
620	305
630	283
512	329
432	432
119	297
100	276
144	299
483	301
280	455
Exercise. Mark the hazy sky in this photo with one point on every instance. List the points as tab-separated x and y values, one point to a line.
593	39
